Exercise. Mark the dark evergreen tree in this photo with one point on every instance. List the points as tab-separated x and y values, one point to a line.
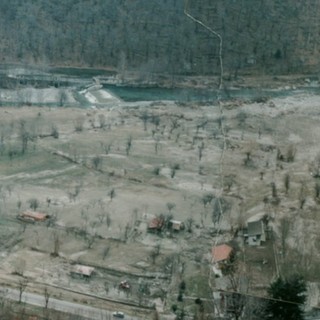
288	296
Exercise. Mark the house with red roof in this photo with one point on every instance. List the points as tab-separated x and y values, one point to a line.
221	256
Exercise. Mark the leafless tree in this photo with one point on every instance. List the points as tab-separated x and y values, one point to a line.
200	150
112	193
56	244
34	203
291	153
170	206
108	220
54	132
303	194
128	145
174	168
23	283
25	136
155	253
284	231
90	239
97	162
287	182
189	224
46	294
174	124
79	124
105	252
156	144
106	147
144	117
207	199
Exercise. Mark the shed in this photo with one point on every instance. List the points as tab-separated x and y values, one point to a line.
82	271
33	216
176	225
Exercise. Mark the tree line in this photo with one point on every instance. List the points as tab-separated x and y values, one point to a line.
152	36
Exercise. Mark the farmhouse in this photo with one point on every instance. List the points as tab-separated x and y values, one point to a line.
256	233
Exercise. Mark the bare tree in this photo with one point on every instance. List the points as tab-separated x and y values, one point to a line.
78	124
54	132
25	136
90	239
303	194
200	150
155	253
291	153
105	252
174	168
34	203
287	182
112	194
128	145
189	224
144	117
284	231
23	283
46	294
56	244
108	220
170	206
174	124
106	147
97	162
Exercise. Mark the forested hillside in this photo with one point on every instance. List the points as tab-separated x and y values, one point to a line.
269	36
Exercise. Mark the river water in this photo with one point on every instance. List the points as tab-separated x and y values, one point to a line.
128	93
76	78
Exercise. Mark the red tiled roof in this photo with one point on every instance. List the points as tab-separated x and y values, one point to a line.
221	252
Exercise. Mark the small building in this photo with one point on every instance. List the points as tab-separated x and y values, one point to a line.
256	233
176	225
156	224
33	216
221	257
80	271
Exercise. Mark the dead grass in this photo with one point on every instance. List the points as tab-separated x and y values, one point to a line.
139	193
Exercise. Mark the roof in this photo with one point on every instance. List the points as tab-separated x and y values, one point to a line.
38	216
156	223
83	270
255	228
176	225
221	252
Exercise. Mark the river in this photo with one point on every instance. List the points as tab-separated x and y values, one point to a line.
16	78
